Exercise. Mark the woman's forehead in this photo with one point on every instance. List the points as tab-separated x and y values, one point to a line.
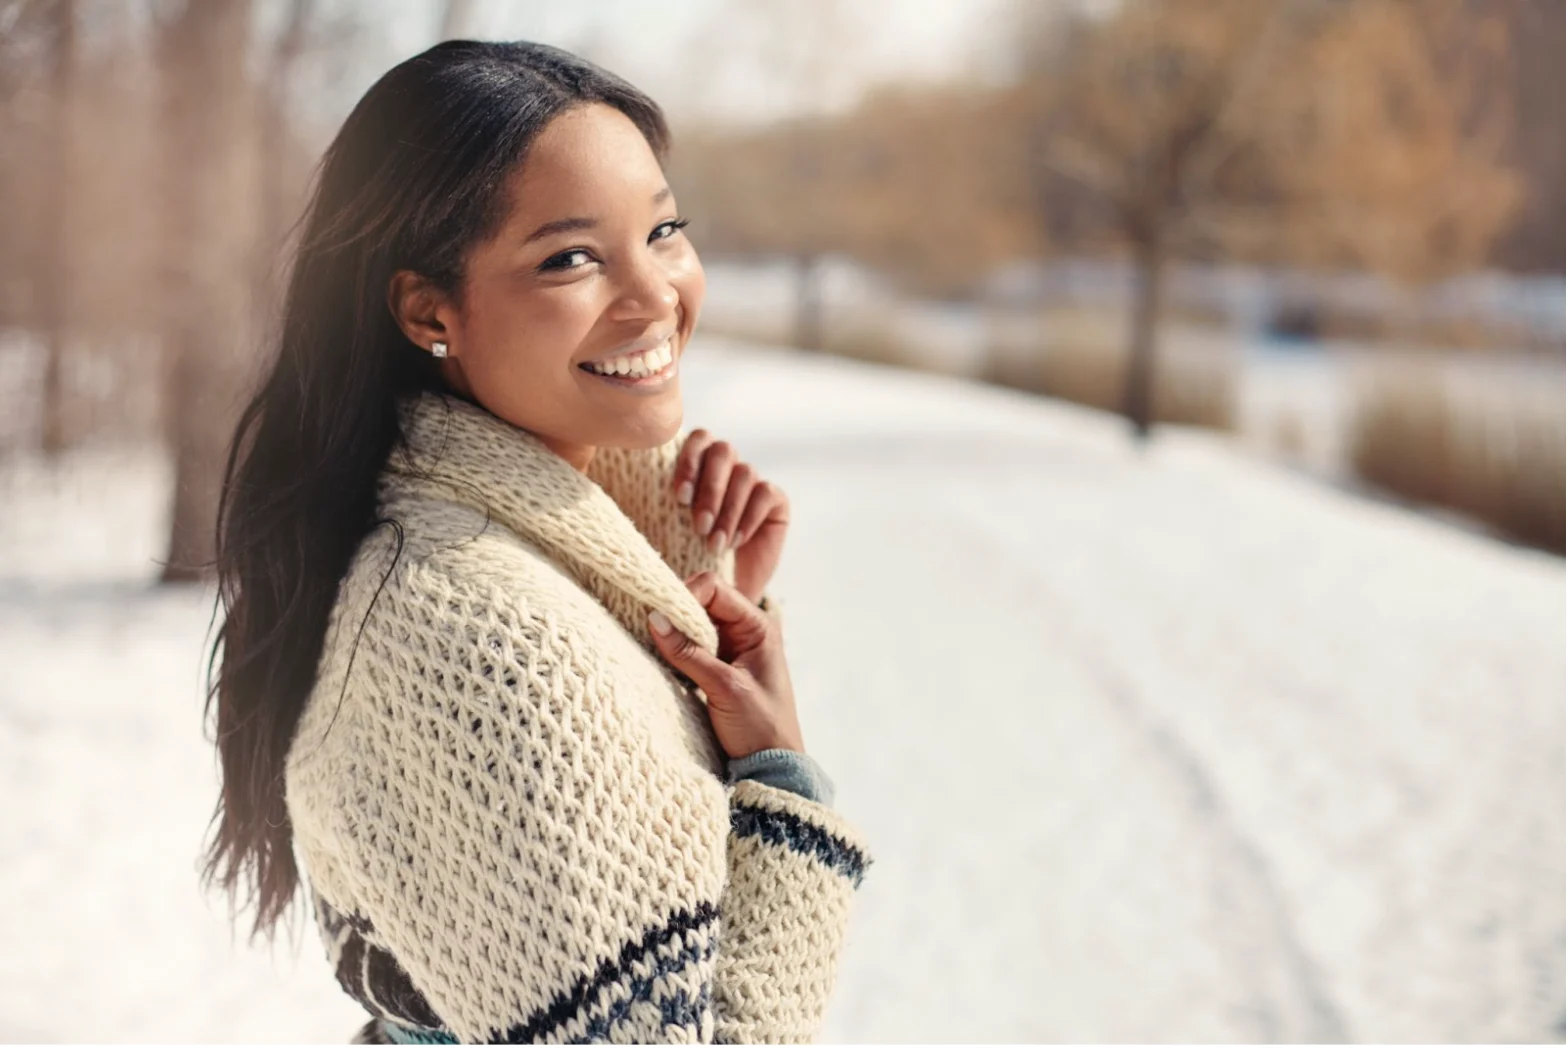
587	153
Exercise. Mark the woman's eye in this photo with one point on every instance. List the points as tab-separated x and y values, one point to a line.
663	231
562	261
671	226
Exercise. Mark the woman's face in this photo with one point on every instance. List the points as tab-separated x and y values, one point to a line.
590	266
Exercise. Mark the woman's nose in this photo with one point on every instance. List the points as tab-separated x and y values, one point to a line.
647	291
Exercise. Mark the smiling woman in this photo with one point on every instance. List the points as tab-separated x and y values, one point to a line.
589	272
499	691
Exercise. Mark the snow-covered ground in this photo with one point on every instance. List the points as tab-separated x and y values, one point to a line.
1163	746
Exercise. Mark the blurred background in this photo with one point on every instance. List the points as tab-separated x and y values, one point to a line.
1171	393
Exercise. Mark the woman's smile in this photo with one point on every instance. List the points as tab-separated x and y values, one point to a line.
651	371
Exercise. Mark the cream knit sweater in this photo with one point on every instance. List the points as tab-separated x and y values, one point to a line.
510	812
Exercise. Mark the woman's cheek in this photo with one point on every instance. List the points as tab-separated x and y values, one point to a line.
556	320
692	283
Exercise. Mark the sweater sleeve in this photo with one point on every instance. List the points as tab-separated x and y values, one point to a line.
794	867
539	869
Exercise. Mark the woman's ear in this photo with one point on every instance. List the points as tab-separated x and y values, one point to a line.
421	309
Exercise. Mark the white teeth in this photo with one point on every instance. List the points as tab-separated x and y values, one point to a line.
638	365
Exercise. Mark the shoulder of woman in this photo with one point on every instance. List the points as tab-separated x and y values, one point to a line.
391	628
398	583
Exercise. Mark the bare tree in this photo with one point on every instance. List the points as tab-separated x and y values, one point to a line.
1302	129
925	183
804	47
1397	162
930	187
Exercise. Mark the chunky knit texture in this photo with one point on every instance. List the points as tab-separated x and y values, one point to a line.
511	813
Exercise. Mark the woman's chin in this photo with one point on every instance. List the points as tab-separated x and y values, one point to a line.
657	424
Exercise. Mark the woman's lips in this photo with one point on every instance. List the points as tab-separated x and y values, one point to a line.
647	383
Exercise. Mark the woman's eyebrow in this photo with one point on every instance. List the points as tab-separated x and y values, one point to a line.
560	225
569	225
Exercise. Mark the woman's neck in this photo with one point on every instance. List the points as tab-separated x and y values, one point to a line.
579	455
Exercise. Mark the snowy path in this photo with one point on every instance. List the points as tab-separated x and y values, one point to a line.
1171	747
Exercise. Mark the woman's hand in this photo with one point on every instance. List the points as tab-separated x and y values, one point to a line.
734	507
750	699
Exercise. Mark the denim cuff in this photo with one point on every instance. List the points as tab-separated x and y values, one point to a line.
786	769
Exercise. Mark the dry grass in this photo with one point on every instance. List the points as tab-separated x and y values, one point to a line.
875	344
1290	435
1420	433
873	339
1073	354
1081	356
1433	332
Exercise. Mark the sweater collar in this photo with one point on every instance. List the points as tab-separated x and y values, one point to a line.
460	452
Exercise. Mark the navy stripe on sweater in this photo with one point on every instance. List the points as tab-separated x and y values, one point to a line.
801	837
369	973
575	1001
680	1010
393	992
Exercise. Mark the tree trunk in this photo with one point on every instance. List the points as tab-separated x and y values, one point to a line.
808	302
1148	291
209	234
193	400
273	168
57	246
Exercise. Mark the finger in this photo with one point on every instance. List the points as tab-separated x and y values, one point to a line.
740	622
743	480
717	461
687	465
707	671
767	502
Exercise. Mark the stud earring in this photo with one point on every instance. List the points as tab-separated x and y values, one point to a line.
438	349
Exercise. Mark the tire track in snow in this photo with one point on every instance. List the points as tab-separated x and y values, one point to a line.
1324	1022
1290	1000
1318	1020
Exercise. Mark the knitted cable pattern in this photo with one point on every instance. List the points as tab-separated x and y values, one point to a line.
510	812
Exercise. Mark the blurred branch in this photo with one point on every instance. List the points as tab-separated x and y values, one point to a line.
1078	162
457	19
1238	86
1217	228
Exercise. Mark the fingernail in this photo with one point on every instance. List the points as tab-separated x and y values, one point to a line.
659	622
684	493
716	542
704	522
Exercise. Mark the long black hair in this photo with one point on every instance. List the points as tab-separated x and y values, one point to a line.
414	180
